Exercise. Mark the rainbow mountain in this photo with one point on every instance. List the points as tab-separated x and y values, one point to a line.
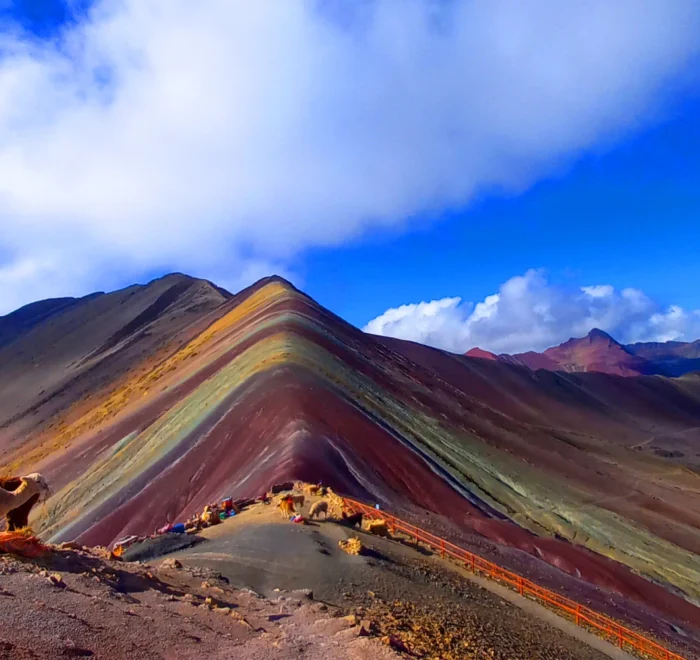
142	405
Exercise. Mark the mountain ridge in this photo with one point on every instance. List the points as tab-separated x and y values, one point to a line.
79	338
599	351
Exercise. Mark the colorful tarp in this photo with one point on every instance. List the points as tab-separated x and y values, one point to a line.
22	544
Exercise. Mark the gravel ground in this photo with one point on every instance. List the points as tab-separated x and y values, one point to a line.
164	544
262	588
401	590
111	610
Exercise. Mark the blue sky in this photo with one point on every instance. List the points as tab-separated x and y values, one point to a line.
629	217
454	173
43	18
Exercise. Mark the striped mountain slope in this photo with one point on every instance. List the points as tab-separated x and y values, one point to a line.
551	473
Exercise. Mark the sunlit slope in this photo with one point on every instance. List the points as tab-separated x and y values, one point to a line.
58	358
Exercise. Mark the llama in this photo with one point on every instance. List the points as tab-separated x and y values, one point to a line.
378	527
317	508
286	507
18	496
312	489
298	500
353	520
17	518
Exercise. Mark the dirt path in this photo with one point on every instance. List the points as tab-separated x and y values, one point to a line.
542	613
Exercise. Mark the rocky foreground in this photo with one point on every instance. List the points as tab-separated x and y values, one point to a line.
84	602
77	604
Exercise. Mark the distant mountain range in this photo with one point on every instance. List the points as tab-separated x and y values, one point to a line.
600	352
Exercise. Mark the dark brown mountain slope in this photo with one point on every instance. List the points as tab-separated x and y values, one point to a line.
54	353
21	321
673	358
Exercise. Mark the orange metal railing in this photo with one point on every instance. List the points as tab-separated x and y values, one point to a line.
580	614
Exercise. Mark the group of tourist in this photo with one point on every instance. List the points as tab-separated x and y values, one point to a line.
213	514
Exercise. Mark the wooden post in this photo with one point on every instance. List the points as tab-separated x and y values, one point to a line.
578	615
442	548
473	564
521	588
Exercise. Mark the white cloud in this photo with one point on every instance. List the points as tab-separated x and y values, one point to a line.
598	291
529	313
206	136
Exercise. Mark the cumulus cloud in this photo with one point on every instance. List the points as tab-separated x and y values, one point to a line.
221	136
529	313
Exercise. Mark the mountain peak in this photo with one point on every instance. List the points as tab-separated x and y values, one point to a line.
594	336
477	352
598	335
597	351
276	279
601	352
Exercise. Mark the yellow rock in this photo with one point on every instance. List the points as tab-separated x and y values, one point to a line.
352	546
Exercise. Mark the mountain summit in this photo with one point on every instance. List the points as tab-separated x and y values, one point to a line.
597	351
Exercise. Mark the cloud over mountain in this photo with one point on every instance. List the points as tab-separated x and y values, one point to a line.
225	137
530	313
